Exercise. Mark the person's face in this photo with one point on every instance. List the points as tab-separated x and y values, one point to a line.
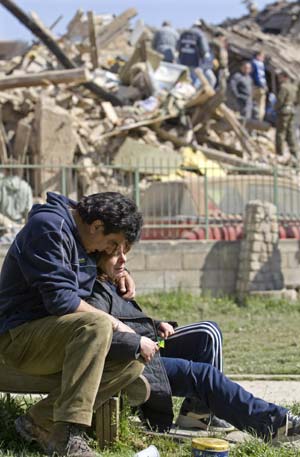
246	68
260	57
113	265
94	240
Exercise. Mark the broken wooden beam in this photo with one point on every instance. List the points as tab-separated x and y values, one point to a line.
43	34
93	40
44	78
136	125
107	33
21	142
240	131
110	113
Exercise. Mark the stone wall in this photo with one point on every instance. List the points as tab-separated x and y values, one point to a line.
202	266
198	266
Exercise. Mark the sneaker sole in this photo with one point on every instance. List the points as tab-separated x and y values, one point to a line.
190	422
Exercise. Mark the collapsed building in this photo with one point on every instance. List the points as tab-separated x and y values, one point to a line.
99	102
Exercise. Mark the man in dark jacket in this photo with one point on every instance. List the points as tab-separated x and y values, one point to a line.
194	52
241	86
46	324
179	376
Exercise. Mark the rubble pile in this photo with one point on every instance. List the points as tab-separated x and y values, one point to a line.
95	95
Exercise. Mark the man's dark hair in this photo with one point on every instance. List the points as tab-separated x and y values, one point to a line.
117	212
245	62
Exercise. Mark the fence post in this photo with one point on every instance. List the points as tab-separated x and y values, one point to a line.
137	187
275	188
206	204
63	181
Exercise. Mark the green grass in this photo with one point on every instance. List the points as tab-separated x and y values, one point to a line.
262	337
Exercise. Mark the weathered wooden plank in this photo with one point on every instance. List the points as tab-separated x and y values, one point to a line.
46	38
12	380
76	75
107	422
110	112
21	140
93	40
110	31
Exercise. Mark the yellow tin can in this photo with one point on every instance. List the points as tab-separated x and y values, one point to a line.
209	447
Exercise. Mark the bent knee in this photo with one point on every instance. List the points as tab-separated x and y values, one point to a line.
216	327
134	369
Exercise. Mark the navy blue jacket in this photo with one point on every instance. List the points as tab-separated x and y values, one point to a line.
46	270
193	47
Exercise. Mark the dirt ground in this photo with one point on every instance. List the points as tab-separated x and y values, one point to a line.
282	392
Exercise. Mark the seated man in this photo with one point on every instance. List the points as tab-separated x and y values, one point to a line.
170	375
46	325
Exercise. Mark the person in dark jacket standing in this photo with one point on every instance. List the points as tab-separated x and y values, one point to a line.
194	52
285	123
46	324
165	41
175	373
241	86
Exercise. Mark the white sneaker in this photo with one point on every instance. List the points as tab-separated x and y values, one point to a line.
290	431
203	422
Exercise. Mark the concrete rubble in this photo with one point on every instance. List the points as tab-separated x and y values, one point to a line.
80	98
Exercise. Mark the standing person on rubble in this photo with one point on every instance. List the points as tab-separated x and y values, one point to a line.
165	41
219	47
287	100
46	324
260	86
194	52
241	87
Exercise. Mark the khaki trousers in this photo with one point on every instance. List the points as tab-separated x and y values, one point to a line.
76	346
285	132
259	99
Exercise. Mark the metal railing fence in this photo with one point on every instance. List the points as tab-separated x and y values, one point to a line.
194	204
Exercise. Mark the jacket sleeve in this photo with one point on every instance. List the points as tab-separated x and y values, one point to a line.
203	45
234	85
255	75
46	265
281	99
125	346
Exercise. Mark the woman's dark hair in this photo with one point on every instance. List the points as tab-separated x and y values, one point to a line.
117	212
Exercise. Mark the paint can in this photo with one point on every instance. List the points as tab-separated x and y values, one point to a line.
209	447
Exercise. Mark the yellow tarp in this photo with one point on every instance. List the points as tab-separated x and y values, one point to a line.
198	161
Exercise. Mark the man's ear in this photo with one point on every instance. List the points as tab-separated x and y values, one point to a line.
96	226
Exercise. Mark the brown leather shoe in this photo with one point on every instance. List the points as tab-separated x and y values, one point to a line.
30	431
67	439
138	392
